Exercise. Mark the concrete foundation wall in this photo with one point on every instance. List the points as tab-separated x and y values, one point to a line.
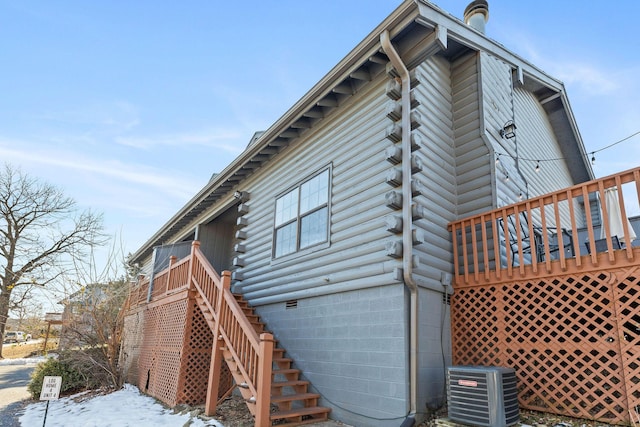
352	347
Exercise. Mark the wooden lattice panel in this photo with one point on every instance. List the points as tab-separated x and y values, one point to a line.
131	344
167	352
146	361
627	291
197	360
159	363
573	340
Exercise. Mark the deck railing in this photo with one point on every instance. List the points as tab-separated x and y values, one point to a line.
138	294
252	353
553	233
532	295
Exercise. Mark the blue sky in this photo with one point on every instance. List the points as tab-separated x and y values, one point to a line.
130	106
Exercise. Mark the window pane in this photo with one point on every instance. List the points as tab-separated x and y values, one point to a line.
287	207
314	192
286	239
313	228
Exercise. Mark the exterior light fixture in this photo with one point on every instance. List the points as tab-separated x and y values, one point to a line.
508	130
538	166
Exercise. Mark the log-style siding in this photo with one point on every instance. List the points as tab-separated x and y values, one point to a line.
516	177
438	177
352	143
498	108
473	165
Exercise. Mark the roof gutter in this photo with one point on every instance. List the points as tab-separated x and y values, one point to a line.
432	16
399	19
407	219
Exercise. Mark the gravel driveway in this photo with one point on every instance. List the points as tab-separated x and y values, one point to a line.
13	392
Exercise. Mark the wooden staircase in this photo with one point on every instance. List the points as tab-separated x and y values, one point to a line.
288	393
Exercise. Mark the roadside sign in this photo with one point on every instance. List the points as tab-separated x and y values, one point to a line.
50	388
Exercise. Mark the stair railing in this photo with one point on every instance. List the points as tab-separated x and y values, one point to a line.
252	353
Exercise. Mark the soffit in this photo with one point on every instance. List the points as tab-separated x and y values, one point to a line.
359	67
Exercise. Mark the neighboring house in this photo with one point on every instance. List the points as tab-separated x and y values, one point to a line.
78	323
334	222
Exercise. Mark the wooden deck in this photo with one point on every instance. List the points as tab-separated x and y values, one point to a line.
530	294
190	340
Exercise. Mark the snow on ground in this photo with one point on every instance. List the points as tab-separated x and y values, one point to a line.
28	361
122	408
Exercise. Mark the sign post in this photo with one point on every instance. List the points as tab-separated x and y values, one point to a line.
50	391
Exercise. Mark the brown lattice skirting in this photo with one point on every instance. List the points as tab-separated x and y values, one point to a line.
574	340
167	351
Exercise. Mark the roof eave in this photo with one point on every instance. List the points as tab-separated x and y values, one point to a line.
432	16
411	11
399	19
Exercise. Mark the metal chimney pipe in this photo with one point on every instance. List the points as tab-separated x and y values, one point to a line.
476	14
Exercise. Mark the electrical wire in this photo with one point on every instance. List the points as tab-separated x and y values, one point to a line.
444	310
446	303
616	143
358	413
538	160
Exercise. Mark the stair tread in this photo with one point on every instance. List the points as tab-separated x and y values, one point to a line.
289	383
311	410
290	397
295	415
312	420
286	371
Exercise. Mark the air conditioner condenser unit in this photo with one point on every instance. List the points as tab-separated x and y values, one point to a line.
483	396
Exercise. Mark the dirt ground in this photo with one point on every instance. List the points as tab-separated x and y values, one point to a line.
233	412
26	349
527	418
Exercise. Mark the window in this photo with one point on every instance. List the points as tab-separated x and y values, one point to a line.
302	216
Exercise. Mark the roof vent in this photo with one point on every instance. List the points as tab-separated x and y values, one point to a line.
476	15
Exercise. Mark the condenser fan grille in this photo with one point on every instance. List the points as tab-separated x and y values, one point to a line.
483	396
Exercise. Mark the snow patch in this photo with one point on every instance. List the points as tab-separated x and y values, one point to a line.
122	408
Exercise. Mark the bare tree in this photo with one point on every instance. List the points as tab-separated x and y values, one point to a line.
93	317
41	231
25	306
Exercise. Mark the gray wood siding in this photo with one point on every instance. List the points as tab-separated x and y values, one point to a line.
536	140
498	108
473	163
216	240
534	136
352	140
438	177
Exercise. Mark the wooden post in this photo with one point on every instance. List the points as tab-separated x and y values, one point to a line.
46	338
215	368
194	246
172	260
265	369
225	278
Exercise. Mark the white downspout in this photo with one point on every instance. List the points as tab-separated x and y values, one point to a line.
407	219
